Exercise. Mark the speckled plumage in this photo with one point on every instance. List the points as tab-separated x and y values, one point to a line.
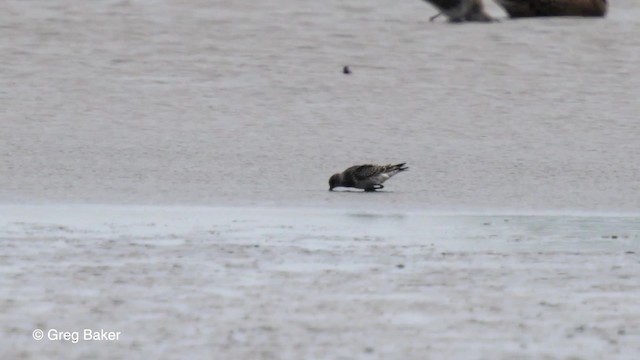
368	177
461	10
530	8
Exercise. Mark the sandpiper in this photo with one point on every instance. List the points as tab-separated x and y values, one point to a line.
368	177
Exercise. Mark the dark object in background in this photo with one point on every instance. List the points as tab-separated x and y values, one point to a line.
532	8
346	70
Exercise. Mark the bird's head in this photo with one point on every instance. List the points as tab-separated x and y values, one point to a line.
334	181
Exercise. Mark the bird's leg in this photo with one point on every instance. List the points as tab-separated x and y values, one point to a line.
434	17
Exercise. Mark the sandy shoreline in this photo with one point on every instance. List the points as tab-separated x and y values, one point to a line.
245	103
294	283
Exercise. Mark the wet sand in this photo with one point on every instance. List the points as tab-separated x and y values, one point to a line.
224	103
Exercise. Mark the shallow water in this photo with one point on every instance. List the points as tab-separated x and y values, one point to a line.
318	283
322	228
218	102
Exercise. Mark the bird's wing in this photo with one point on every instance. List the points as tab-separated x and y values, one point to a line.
362	172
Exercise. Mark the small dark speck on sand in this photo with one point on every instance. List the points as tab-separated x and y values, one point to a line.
629	252
368	350
400	266
346	70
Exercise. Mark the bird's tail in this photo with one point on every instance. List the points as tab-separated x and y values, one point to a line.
399	167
